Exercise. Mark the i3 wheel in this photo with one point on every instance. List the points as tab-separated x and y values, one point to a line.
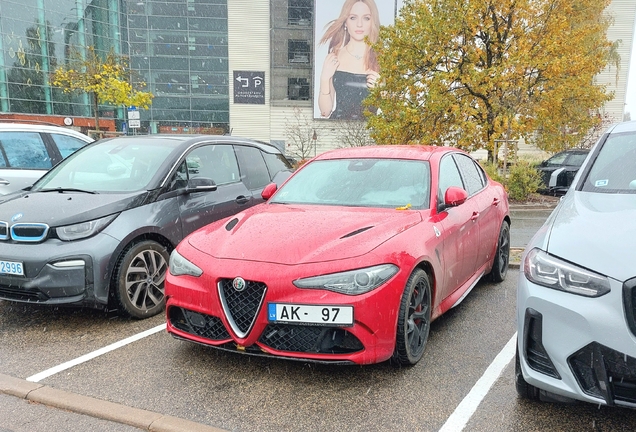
140	275
414	320
502	255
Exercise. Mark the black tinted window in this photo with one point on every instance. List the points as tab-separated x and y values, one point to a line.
254	172
276	163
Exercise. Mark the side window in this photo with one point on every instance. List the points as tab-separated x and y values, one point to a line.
557	159
24	150
276	163
471	174
448	176
253	168
179	178
217	162
576	159
67	144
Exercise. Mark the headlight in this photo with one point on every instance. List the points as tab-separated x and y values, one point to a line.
552	272
84	229
179	266
352	282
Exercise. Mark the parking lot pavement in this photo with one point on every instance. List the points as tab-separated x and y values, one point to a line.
30	407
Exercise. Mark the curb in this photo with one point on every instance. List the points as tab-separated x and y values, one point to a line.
98	408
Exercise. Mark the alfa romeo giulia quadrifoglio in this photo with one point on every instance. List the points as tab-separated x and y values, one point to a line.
348	262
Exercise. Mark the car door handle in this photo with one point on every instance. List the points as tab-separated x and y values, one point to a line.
4	182
475	216
496	202
242	199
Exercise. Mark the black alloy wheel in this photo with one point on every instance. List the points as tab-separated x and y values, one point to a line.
502	255
140	278
414	321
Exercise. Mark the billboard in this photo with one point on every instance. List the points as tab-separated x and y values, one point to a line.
345	67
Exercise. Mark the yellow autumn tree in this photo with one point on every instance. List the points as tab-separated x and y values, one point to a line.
106	78
470	72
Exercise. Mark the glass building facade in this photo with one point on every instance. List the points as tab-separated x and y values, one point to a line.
179	48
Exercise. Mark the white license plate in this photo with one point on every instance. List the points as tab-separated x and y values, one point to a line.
11	267
310	314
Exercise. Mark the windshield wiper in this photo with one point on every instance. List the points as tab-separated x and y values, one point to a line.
62	190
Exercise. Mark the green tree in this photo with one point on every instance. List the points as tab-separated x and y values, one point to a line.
469	72
106	79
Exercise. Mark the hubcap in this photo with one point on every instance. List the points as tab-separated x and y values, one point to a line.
418	319
145	279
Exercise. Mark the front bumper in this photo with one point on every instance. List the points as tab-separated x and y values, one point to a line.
577	347
57	273
195	312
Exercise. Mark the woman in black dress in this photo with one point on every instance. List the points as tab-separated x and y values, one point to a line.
351	67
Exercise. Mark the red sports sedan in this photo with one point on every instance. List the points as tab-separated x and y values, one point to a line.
348	262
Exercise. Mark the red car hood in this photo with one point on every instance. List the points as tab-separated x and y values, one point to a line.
285	234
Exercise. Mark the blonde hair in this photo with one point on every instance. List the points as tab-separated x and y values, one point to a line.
338	37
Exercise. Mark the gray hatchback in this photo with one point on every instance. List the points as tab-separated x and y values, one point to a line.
97	229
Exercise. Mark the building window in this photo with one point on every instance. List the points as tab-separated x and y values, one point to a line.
298	51
297	89
300	12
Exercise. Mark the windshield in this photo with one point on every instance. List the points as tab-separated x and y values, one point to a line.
614	169
360	183
118	165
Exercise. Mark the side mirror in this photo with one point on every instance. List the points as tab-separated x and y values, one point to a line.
455	196
200	184
269	191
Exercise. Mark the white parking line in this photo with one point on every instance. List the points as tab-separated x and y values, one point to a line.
467	407
69	364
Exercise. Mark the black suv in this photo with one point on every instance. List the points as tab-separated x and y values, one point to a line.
558	171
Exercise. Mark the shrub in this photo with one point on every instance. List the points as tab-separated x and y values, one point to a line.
523	180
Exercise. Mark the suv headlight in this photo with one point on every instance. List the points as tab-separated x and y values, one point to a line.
549	271
352	282
179	266
84	229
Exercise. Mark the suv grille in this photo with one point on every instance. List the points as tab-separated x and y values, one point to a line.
241	307
605	373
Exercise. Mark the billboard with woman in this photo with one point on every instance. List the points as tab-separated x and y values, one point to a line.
345	66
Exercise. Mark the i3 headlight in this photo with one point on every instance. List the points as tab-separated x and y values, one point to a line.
84	229
351	282
549	271
179	266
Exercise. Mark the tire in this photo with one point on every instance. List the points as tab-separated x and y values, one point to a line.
140	276
524	390
502	255
414	320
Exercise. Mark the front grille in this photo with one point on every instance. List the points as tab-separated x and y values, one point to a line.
241	307
310	339
605	373
629	300
24	232
205	326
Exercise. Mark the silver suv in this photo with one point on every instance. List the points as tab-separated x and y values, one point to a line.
28	150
